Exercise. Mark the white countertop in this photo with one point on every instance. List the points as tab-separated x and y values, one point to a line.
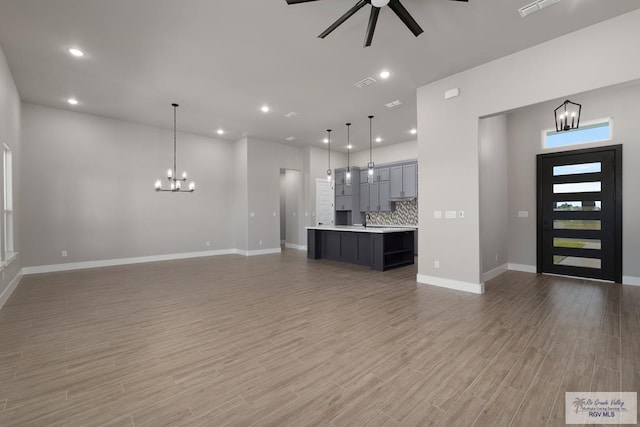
361	229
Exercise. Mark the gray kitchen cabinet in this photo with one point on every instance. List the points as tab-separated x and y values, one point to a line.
364	196
374	197
344	203
384	200
382	174
396	182
364	176
340	177
404	181
410	180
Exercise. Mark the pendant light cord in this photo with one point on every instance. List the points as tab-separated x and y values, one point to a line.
348	143
329	142
370	140
175	170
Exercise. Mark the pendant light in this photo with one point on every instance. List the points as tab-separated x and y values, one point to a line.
567	116
371	164
175	183
329	152
348	151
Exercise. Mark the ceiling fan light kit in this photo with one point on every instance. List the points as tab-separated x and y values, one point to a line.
401	12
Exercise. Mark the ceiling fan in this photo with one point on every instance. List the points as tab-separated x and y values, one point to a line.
376	5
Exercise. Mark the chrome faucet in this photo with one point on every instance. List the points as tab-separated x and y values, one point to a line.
367	217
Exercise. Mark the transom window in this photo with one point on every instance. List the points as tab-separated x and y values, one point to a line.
593	131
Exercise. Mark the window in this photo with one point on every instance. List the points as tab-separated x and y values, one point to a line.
593	131
8	203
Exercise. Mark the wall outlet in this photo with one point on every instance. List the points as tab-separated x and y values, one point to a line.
497	257
294	213
306	214
274	214
260	242
252	214
208	243
460	214
64	252
436	264
450	214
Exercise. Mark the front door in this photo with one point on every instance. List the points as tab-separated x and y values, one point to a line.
580	213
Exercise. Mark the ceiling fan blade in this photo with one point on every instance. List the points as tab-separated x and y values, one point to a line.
298	1
349	14
405	17
371	28
466	1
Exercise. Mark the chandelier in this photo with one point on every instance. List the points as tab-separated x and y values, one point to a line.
175	183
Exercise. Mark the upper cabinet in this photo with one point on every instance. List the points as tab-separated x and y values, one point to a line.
347	189
404	181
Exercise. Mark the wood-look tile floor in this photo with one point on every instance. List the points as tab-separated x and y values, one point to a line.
280	340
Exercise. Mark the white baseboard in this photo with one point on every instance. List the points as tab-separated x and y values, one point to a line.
491	274
257	252
476	288
522	267
138	260
295	246
630	280
4	296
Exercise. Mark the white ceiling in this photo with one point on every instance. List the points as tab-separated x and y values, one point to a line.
221	60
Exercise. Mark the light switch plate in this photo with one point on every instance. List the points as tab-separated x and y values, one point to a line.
450	214
523	214
437	214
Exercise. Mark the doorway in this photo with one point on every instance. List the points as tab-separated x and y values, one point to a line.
580	213
291	220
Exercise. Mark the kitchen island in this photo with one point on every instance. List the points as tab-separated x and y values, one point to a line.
380	248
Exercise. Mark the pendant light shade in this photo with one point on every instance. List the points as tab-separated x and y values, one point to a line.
371	165
329	153
348	151
567	116
175	183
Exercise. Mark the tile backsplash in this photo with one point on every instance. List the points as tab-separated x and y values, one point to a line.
406	213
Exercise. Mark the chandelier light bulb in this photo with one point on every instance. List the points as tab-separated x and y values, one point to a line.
177	185
184	175
158	184
192	186
173	186
169	173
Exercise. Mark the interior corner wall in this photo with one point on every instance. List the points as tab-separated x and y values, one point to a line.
448	149
294	227
88	189
525	127
240	195
264	161
10	134
493	192
386	153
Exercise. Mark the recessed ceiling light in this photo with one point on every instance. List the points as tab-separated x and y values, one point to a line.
326	140
378	139
291	138
265	108
76	52
384	74
72	101
413	131
220	132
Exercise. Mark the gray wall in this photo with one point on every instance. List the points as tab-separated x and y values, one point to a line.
493	192
88	183
241	195
448	150
524	129
386	153
294	222
10	134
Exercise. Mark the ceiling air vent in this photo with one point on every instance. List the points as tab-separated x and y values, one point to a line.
366	82
536	6
291	115
291	138
393	104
